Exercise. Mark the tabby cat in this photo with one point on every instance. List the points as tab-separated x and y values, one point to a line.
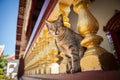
68	42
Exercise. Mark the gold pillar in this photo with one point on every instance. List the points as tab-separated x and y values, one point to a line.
48	69
43	69
95	57
65	10
37	70
62	7
63	66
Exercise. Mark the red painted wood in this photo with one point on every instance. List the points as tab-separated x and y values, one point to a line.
20	68
90	75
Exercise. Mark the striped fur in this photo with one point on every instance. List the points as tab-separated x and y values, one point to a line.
68	42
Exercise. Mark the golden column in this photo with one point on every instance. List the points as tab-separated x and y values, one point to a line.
95	57
62	7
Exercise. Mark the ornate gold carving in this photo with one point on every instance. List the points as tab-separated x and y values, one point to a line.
44	50
21	10
88	26
62	7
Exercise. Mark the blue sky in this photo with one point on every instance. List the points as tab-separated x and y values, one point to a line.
8	24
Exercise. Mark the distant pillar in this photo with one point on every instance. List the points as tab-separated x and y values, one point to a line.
48	69
63	65
38	72
43	71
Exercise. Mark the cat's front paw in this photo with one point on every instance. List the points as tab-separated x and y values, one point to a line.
74	71
70	71
60	59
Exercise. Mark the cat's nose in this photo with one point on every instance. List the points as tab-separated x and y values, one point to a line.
55	33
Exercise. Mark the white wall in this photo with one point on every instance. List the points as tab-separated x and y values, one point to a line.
11	69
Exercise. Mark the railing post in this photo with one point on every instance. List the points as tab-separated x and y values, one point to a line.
95	57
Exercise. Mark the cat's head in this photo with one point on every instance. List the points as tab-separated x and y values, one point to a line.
56	27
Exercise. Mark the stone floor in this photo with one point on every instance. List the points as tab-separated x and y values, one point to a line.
89	75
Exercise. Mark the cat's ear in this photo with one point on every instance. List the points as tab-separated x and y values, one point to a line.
47	24
60	18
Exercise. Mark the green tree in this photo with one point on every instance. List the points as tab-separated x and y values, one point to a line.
3	62
1	71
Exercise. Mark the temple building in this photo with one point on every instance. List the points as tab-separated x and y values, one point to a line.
97	21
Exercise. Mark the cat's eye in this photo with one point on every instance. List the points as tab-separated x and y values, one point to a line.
50	28
59	27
